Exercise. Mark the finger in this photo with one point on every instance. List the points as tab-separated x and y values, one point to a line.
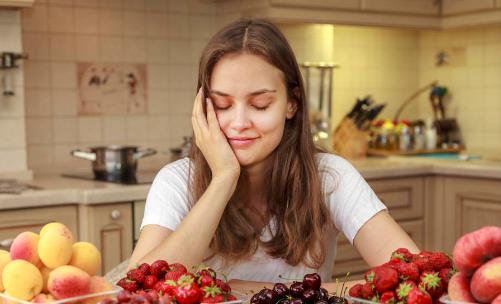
212	121
199	114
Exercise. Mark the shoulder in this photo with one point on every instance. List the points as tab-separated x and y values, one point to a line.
176	171
328	162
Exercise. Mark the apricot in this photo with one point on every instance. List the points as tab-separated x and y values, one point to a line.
42	298
86	257
98	284
4	260
22	279
25	247
45	271
55	245
68	281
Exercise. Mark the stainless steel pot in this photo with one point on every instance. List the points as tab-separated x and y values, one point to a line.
114	163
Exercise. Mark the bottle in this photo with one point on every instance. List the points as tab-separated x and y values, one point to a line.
430	133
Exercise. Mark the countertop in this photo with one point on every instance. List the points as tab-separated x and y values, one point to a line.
57	190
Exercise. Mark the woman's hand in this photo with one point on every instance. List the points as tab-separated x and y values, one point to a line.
211	140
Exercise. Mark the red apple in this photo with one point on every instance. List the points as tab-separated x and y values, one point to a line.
459	288
486	281
475	248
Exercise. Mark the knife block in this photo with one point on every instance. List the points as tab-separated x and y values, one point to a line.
349	141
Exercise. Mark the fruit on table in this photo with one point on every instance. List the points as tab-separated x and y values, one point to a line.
55	245
45	271
486	281
86	257
68	281
22	280
459	288
97	284
25	247
475	248
4	260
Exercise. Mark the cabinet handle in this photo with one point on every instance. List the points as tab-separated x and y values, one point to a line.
6	243
115	214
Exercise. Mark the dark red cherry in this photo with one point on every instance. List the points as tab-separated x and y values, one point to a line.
312	281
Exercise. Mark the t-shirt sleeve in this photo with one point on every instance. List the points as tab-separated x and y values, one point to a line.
167	200
352	202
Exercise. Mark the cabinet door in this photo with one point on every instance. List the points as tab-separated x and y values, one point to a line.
469	204
404	197
451	7
110	229
398	6
13	222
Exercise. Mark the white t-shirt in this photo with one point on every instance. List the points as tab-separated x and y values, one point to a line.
350	199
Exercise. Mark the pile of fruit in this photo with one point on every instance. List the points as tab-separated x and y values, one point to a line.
477	256
164	283
51	265
307	291
407	278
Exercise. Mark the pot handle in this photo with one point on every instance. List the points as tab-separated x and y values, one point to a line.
84	155
143	153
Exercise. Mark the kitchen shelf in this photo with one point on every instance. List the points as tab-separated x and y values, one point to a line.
381	152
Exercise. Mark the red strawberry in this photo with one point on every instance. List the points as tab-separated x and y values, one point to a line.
385	278
145	268
423	262
173	275
150	281
136	275
440	260
212	295
159	268
445	275
417	296
206	271
128	285
166	288
151	296
215	299
403	254
229	297
408	271
187	293
368	291
179	267
369	275
388	297
393	263
225	288
356	291
123	296
431	283
404	288
205	280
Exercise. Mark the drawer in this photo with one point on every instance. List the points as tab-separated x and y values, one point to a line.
404	197
13	222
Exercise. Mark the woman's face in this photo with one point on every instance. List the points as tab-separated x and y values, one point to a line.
251	104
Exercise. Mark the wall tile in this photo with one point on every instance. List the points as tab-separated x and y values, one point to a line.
134	50
35	19
177	52
134	4
86	3
178	26
12	134
63	75
39	131
36	45
134	23
159	127
86	21
110	22
36	74
114	129
136	128
60	19
156	6
113	4
65	130
89	129
40	156
158	76
62	47
156	25
86	48
38	102
158	50
64	102
111	49
158	102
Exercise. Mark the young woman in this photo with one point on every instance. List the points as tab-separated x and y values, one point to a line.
256	199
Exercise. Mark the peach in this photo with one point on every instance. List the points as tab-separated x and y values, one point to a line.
98	284
497	300
22	279
55	245
45	271
42	298
486	281
68	281
459	288
4	260
25	247
475	248
86	257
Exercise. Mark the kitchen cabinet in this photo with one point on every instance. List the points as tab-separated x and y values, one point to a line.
109	227
450	7
13	222
16	3
404	198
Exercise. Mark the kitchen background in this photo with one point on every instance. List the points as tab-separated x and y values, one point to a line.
40	125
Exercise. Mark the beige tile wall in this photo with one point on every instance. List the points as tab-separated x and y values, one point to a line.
12	127
474	79
166	35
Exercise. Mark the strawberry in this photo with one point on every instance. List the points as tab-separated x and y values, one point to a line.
179	267
225	288
440	260
423	262
408	271
206	271
166	288
205	280
385	278
431	283
187	293
159	268
145	268
367	291
212	295
123	296
128	285
445	275
150	281
136	275
417	296
369	275
230	297
393	263
388	297
402	254
356	291
404	288
215	299
173	275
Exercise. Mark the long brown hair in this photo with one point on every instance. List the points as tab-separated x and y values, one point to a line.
293	193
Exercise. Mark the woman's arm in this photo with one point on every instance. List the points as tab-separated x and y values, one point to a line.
379	237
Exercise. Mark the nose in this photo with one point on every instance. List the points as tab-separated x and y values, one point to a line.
241	120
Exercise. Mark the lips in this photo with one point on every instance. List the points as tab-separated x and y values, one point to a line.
241	142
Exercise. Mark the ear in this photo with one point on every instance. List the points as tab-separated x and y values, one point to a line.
291	108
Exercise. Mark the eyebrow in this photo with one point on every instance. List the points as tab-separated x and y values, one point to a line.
255	93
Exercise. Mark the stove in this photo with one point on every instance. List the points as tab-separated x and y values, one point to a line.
142	177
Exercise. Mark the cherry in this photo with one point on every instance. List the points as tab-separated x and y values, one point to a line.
280	290
297	301
321	302
312	281
310	295
337	300
324	294
296	289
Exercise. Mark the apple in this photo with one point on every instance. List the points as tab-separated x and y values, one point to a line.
486	281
